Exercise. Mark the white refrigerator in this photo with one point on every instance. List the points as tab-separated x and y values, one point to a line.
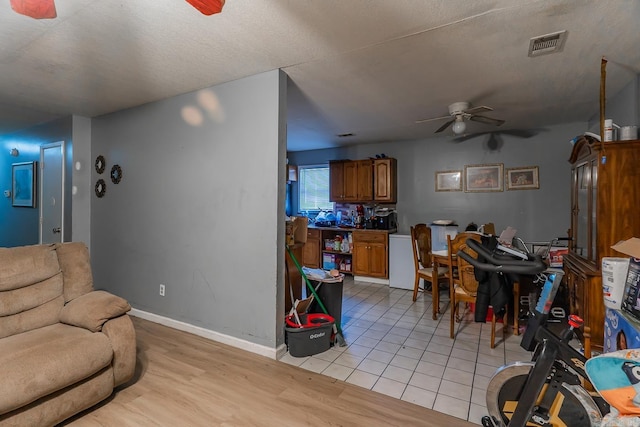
401	267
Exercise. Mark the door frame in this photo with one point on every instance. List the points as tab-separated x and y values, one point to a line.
41	189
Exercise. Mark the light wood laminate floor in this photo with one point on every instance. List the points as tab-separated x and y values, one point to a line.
185	380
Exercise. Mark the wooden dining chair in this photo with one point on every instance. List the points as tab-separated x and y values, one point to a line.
421	242
465	288
489	228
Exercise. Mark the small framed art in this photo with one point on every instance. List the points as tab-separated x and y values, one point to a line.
482	178
449	181
523	178
23	179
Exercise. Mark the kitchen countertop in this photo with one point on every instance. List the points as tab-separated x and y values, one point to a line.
350	229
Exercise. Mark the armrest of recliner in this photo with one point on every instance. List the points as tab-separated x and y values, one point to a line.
122	335
93	309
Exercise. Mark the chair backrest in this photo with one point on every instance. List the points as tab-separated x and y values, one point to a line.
453	246
489	228
466	272
421	241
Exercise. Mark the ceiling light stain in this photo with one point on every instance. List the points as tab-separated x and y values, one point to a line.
549	43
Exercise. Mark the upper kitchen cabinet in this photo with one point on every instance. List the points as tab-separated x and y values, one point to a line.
363	180
385	183
348	181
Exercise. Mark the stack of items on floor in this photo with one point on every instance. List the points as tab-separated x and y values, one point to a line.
621	289
310	327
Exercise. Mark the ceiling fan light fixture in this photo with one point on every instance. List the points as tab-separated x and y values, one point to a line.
459	126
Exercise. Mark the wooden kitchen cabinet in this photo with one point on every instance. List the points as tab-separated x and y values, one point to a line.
370	254
343	181
350	181
364	181
604	202
311	252
385	180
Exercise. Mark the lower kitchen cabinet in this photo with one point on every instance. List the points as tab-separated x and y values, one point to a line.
370	254
311	252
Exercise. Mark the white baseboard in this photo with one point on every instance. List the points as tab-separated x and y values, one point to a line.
371	280
272	353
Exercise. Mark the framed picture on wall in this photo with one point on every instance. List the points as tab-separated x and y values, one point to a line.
449	181
23	180
524	178
482	178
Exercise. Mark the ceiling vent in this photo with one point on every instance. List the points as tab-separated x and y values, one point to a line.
549	43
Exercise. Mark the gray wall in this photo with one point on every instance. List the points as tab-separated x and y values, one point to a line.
200	208
537	214
21	224
80	182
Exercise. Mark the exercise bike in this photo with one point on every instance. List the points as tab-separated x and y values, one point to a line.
548	390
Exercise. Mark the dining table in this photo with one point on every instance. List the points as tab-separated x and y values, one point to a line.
441	259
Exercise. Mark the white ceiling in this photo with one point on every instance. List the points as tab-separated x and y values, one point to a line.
368	67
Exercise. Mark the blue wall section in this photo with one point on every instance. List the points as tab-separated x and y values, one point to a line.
20	224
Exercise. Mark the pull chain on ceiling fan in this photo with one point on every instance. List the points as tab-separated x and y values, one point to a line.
461	111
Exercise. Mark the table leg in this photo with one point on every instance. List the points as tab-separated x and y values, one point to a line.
516	307
435	291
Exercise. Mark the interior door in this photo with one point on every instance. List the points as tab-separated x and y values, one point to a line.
51	192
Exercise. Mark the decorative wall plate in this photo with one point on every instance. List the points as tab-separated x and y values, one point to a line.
116	174
101	164
101	188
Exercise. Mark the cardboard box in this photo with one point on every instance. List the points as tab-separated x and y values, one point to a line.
631	295
328	261
556	255
629	247
621	331
296	229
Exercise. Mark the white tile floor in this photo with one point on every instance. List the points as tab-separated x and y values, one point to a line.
394	347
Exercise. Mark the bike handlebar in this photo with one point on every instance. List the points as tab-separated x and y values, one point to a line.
531	266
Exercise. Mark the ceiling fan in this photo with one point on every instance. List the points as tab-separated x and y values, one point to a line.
46	9
461	111
494	141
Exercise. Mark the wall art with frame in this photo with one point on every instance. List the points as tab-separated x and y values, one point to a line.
23	179
483	178
522	178
449	181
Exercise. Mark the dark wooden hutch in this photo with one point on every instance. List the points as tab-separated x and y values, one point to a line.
605	208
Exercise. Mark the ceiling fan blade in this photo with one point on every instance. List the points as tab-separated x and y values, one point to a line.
487	120
432	119
478	109
207	7
444	126
521	133
467	137
37	9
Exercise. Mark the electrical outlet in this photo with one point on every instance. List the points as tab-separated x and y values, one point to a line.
161	290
